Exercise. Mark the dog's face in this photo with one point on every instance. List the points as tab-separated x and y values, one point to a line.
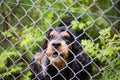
61	52
58	46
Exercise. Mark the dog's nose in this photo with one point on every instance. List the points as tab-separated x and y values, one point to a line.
56	44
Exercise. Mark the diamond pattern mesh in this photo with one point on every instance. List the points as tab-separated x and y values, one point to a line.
24	24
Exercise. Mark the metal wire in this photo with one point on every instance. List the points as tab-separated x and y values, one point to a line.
24	26
58	9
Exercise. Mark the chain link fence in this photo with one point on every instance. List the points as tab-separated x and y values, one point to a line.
24	24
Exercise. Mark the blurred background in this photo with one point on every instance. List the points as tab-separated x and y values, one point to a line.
24	23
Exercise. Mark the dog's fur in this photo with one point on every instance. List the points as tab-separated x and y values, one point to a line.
62	57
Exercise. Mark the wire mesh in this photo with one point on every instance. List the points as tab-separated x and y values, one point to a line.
23	28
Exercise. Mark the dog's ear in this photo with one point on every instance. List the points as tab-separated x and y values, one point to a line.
35	67
77	47
46	39
45	44
66	21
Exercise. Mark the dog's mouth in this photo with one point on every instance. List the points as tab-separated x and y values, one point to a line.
55	54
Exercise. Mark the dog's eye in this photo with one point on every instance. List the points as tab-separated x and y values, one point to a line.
51	36
66	37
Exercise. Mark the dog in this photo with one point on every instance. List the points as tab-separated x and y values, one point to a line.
62	57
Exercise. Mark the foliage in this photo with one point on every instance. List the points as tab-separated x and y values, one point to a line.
23	26
107	51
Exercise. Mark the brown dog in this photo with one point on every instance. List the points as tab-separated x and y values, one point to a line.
62	57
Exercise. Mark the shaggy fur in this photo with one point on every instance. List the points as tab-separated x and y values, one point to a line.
62	57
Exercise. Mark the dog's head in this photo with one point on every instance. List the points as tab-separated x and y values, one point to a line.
58	45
